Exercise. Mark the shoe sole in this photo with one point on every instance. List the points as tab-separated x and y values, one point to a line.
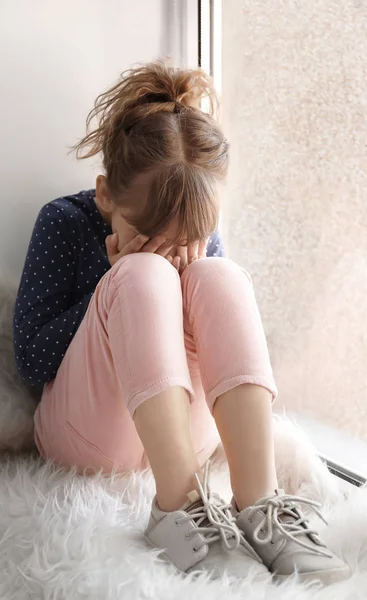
197	571
324	577
163	555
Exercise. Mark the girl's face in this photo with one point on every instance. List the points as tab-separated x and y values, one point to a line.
113	214
127	232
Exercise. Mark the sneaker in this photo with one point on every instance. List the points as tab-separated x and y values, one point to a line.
203	536
282	537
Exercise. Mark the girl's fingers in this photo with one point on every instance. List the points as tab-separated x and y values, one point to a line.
182	253
154	244
111	244
176	263
112	248
165	250
202	248
141	243
135	245
113	252
192	252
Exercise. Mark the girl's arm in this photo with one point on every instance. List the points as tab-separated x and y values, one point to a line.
215	246
46	316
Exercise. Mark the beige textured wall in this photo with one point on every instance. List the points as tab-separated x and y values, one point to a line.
295	111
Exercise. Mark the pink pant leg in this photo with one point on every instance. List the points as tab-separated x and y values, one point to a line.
222	316
129	347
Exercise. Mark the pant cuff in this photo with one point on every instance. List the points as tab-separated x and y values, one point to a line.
230	384
161	385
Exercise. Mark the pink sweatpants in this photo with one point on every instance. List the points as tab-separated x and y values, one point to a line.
147	330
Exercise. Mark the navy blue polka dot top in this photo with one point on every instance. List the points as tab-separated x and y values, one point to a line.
66	259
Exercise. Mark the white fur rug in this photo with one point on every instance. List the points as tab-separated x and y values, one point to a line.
63	537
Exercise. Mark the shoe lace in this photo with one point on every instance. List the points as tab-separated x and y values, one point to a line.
214	519
285	505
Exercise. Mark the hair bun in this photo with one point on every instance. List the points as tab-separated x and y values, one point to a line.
152	88
182	87
159	83
141	92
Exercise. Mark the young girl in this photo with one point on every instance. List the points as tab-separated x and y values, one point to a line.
150	352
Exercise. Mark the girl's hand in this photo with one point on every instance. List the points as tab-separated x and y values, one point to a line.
140	243
185	255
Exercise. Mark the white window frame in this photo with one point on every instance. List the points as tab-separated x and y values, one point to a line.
182	32
210	32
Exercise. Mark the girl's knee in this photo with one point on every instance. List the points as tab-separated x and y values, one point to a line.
145	270
215	269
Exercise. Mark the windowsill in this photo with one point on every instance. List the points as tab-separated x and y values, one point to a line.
342	449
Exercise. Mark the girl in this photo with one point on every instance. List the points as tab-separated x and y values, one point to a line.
148	354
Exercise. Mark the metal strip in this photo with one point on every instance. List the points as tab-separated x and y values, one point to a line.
344	473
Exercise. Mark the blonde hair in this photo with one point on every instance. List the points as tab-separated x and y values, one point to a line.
151	130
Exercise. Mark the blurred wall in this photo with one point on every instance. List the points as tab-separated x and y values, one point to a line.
294	108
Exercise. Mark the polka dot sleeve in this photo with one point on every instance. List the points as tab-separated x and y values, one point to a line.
215	246
44	319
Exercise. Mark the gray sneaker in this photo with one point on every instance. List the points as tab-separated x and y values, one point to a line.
203	536
282	537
